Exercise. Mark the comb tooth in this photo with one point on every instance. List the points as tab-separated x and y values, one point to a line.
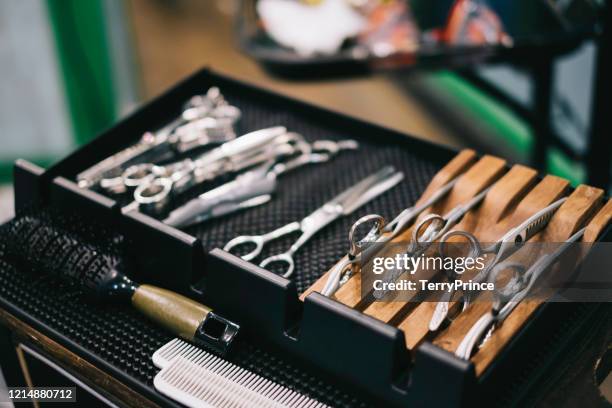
262	385
175	350
296	400
179	377
281	394
196	377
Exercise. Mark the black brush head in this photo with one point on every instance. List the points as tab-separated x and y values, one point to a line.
37	246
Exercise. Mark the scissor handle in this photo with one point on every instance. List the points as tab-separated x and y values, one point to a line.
137	174
260	240
475	247
257	240
373	234
335	277
154	191
285	257
113	182
426	230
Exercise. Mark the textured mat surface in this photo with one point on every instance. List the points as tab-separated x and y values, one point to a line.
121	337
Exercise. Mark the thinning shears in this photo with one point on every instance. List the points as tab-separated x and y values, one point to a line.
507	298
506	245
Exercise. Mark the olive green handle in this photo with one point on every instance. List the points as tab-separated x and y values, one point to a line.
177	313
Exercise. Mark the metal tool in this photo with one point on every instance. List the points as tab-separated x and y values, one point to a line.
206	119
343	204
507	298
254	187
506	245
428	231
155	184
363	250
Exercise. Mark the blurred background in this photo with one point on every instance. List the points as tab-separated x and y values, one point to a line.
71	68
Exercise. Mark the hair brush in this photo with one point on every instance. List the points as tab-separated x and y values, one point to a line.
36	244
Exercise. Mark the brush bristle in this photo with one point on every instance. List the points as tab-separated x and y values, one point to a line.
39	247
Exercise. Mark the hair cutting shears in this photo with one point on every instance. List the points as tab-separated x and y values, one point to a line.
362	250
254	187
507	298
343	204
156	184
205	119
506	245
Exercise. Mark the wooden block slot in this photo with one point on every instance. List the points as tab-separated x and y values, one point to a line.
514	196
497	219
350	293
571	216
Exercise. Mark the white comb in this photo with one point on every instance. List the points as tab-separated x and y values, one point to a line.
197	378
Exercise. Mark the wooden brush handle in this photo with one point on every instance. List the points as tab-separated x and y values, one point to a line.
177	313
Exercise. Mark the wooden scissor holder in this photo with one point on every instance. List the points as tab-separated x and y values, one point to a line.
385	346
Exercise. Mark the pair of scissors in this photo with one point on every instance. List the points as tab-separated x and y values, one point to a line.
508	297
428	231
362	250
343	204
501	249
254	187
155	185
205	119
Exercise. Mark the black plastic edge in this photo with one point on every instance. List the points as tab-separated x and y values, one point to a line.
327	338
67	195
267	305
260	301
27	185
160	254
150	115
435	367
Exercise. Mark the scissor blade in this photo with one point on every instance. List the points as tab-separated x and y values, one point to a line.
540	222
234	193
367	189
228	208
534	224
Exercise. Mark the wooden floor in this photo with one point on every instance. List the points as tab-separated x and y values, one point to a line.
176	37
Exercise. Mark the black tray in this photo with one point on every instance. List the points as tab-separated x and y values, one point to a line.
345	348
